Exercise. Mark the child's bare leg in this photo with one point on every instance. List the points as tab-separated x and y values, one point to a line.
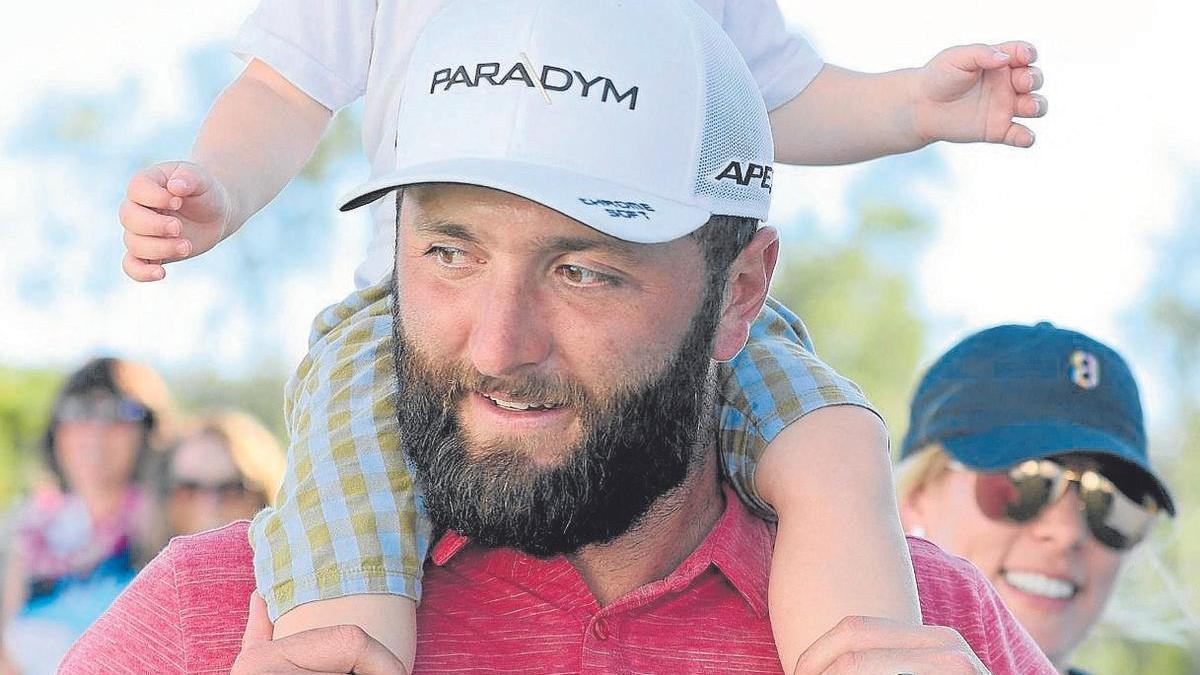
828	475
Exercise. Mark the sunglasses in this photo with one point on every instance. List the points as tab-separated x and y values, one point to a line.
228	491
1023	492
101	409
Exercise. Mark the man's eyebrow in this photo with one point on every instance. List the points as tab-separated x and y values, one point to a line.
631	253
446	228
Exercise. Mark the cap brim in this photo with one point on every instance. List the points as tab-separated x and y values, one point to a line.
1004	447
622	212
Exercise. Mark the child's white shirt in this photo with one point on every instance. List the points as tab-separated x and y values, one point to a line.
329	49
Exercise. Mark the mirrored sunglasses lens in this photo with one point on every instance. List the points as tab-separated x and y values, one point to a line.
1033	493
1114	519
1018	495
131	411
1001	497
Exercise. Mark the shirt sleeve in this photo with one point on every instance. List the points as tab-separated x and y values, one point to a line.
140	633
783	63
321	46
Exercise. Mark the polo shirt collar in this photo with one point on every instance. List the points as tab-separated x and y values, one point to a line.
739	546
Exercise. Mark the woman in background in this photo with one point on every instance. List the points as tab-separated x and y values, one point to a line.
1026	454
228	468
81	537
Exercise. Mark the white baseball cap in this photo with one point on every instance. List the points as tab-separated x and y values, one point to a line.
638	118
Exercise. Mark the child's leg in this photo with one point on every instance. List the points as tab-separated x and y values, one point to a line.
839	549
347	521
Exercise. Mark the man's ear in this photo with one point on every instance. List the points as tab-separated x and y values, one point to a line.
745	292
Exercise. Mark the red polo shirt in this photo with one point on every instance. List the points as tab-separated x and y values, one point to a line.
492	610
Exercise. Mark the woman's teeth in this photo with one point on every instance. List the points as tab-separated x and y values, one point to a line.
1038	584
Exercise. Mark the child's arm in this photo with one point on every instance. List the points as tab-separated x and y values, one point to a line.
839	549
964	94
256	138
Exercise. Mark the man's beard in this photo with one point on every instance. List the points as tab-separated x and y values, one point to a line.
637	443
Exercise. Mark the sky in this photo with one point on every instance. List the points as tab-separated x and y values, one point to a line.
1067	231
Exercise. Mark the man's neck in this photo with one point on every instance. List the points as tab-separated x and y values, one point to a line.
675	525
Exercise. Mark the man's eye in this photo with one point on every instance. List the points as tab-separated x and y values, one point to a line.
582	276
448	255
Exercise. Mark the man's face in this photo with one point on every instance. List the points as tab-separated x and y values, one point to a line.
554	381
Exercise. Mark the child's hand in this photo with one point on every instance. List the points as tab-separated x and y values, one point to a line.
863	644
972	93
172	211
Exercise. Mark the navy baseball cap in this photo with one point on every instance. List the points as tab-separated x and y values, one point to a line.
1013	393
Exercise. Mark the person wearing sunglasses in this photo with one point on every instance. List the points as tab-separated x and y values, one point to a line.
1026	454
228	468
84	531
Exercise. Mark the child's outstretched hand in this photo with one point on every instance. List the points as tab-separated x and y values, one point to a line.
972	93
172	211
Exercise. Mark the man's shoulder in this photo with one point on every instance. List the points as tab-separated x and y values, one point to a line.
214	570
230	542
184	612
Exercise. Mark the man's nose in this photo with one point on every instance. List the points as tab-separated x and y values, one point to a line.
509	332
1063	522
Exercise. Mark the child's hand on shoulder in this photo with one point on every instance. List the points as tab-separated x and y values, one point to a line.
972	93
172	211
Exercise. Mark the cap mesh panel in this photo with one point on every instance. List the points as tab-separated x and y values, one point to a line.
736	127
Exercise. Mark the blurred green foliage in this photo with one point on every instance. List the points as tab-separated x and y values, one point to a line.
1159	597
259	394
25	400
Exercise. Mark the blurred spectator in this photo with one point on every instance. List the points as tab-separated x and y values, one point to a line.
1026	454
226	469
80	537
